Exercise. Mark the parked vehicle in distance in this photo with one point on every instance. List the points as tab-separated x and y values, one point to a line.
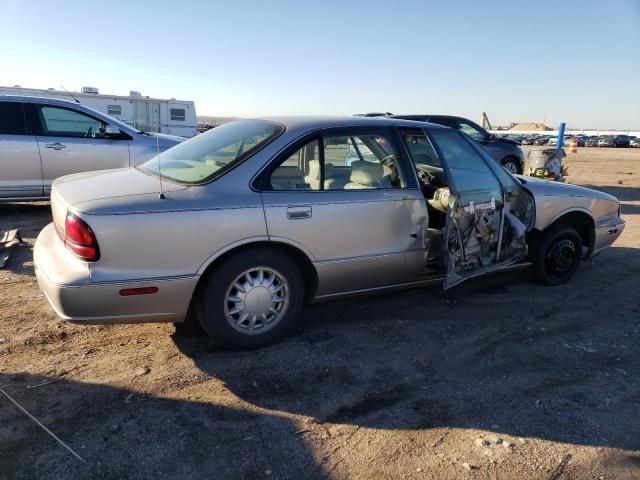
621	141
260	215
43	138
528	140
591	141
504	150
635	143
541	140
552	141
606	141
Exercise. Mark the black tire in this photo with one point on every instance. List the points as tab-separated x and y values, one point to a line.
211	304
512	165
557	256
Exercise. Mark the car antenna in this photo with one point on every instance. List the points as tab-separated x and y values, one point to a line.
70	94
161	196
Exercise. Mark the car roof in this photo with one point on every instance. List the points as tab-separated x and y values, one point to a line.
430	115
33	98
313	122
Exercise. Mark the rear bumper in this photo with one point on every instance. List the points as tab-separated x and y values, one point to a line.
66	283
606	234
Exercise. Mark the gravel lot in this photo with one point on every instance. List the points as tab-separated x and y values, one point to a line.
501	378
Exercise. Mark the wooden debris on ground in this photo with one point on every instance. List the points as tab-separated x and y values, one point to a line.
7	241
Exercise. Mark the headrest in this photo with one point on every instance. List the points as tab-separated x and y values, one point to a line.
366	173
314	170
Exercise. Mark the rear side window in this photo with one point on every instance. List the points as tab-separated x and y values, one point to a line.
12	118
341	162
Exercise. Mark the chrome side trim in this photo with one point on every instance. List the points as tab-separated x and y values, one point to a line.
366	257
397	286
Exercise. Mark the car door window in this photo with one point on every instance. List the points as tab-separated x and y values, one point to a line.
298	171
469	171
361	162
346	162
472	131
422	151
12	120
64	122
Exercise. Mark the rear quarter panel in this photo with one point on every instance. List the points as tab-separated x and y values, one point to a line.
170	243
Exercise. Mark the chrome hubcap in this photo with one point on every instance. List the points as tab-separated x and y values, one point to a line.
256	300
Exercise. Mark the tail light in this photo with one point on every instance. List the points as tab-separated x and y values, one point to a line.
79	239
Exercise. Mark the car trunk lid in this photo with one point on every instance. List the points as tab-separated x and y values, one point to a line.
102	184
78	190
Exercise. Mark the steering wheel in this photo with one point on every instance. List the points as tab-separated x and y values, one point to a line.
425	176
389	161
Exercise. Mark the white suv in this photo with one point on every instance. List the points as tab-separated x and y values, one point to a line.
45	138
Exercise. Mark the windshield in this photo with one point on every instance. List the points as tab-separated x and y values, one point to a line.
209	154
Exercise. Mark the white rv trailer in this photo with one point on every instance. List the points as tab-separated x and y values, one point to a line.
173	117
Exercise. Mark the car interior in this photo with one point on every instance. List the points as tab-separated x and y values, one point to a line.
351	163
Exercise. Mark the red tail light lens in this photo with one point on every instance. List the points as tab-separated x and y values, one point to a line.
79	239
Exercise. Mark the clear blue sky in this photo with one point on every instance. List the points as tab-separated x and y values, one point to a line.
577	61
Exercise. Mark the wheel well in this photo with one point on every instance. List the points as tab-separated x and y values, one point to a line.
307	269
582	222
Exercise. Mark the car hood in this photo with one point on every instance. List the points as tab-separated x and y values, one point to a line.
547	188
508	140
82	188
164	140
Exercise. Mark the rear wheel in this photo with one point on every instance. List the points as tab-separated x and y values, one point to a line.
251	299
557	258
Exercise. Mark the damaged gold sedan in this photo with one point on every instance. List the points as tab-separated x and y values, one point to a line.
246	222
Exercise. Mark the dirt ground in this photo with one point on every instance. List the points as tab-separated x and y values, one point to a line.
501	379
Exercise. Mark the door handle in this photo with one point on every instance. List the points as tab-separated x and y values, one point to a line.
55	146
298	212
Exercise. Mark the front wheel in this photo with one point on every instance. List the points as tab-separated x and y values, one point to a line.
251	300
512	165
557	258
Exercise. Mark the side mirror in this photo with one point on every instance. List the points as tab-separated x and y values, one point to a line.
111	132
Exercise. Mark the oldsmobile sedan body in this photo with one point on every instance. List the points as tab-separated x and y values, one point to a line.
246	222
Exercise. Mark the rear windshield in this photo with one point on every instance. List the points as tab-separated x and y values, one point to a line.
210	154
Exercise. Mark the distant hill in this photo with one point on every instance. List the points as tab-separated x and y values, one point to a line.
215	120
529	127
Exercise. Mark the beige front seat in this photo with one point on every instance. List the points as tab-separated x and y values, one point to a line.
365	175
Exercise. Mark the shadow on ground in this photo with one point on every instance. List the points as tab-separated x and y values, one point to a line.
501	354
120	434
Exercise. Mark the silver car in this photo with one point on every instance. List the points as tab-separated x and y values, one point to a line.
248	221
43	138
